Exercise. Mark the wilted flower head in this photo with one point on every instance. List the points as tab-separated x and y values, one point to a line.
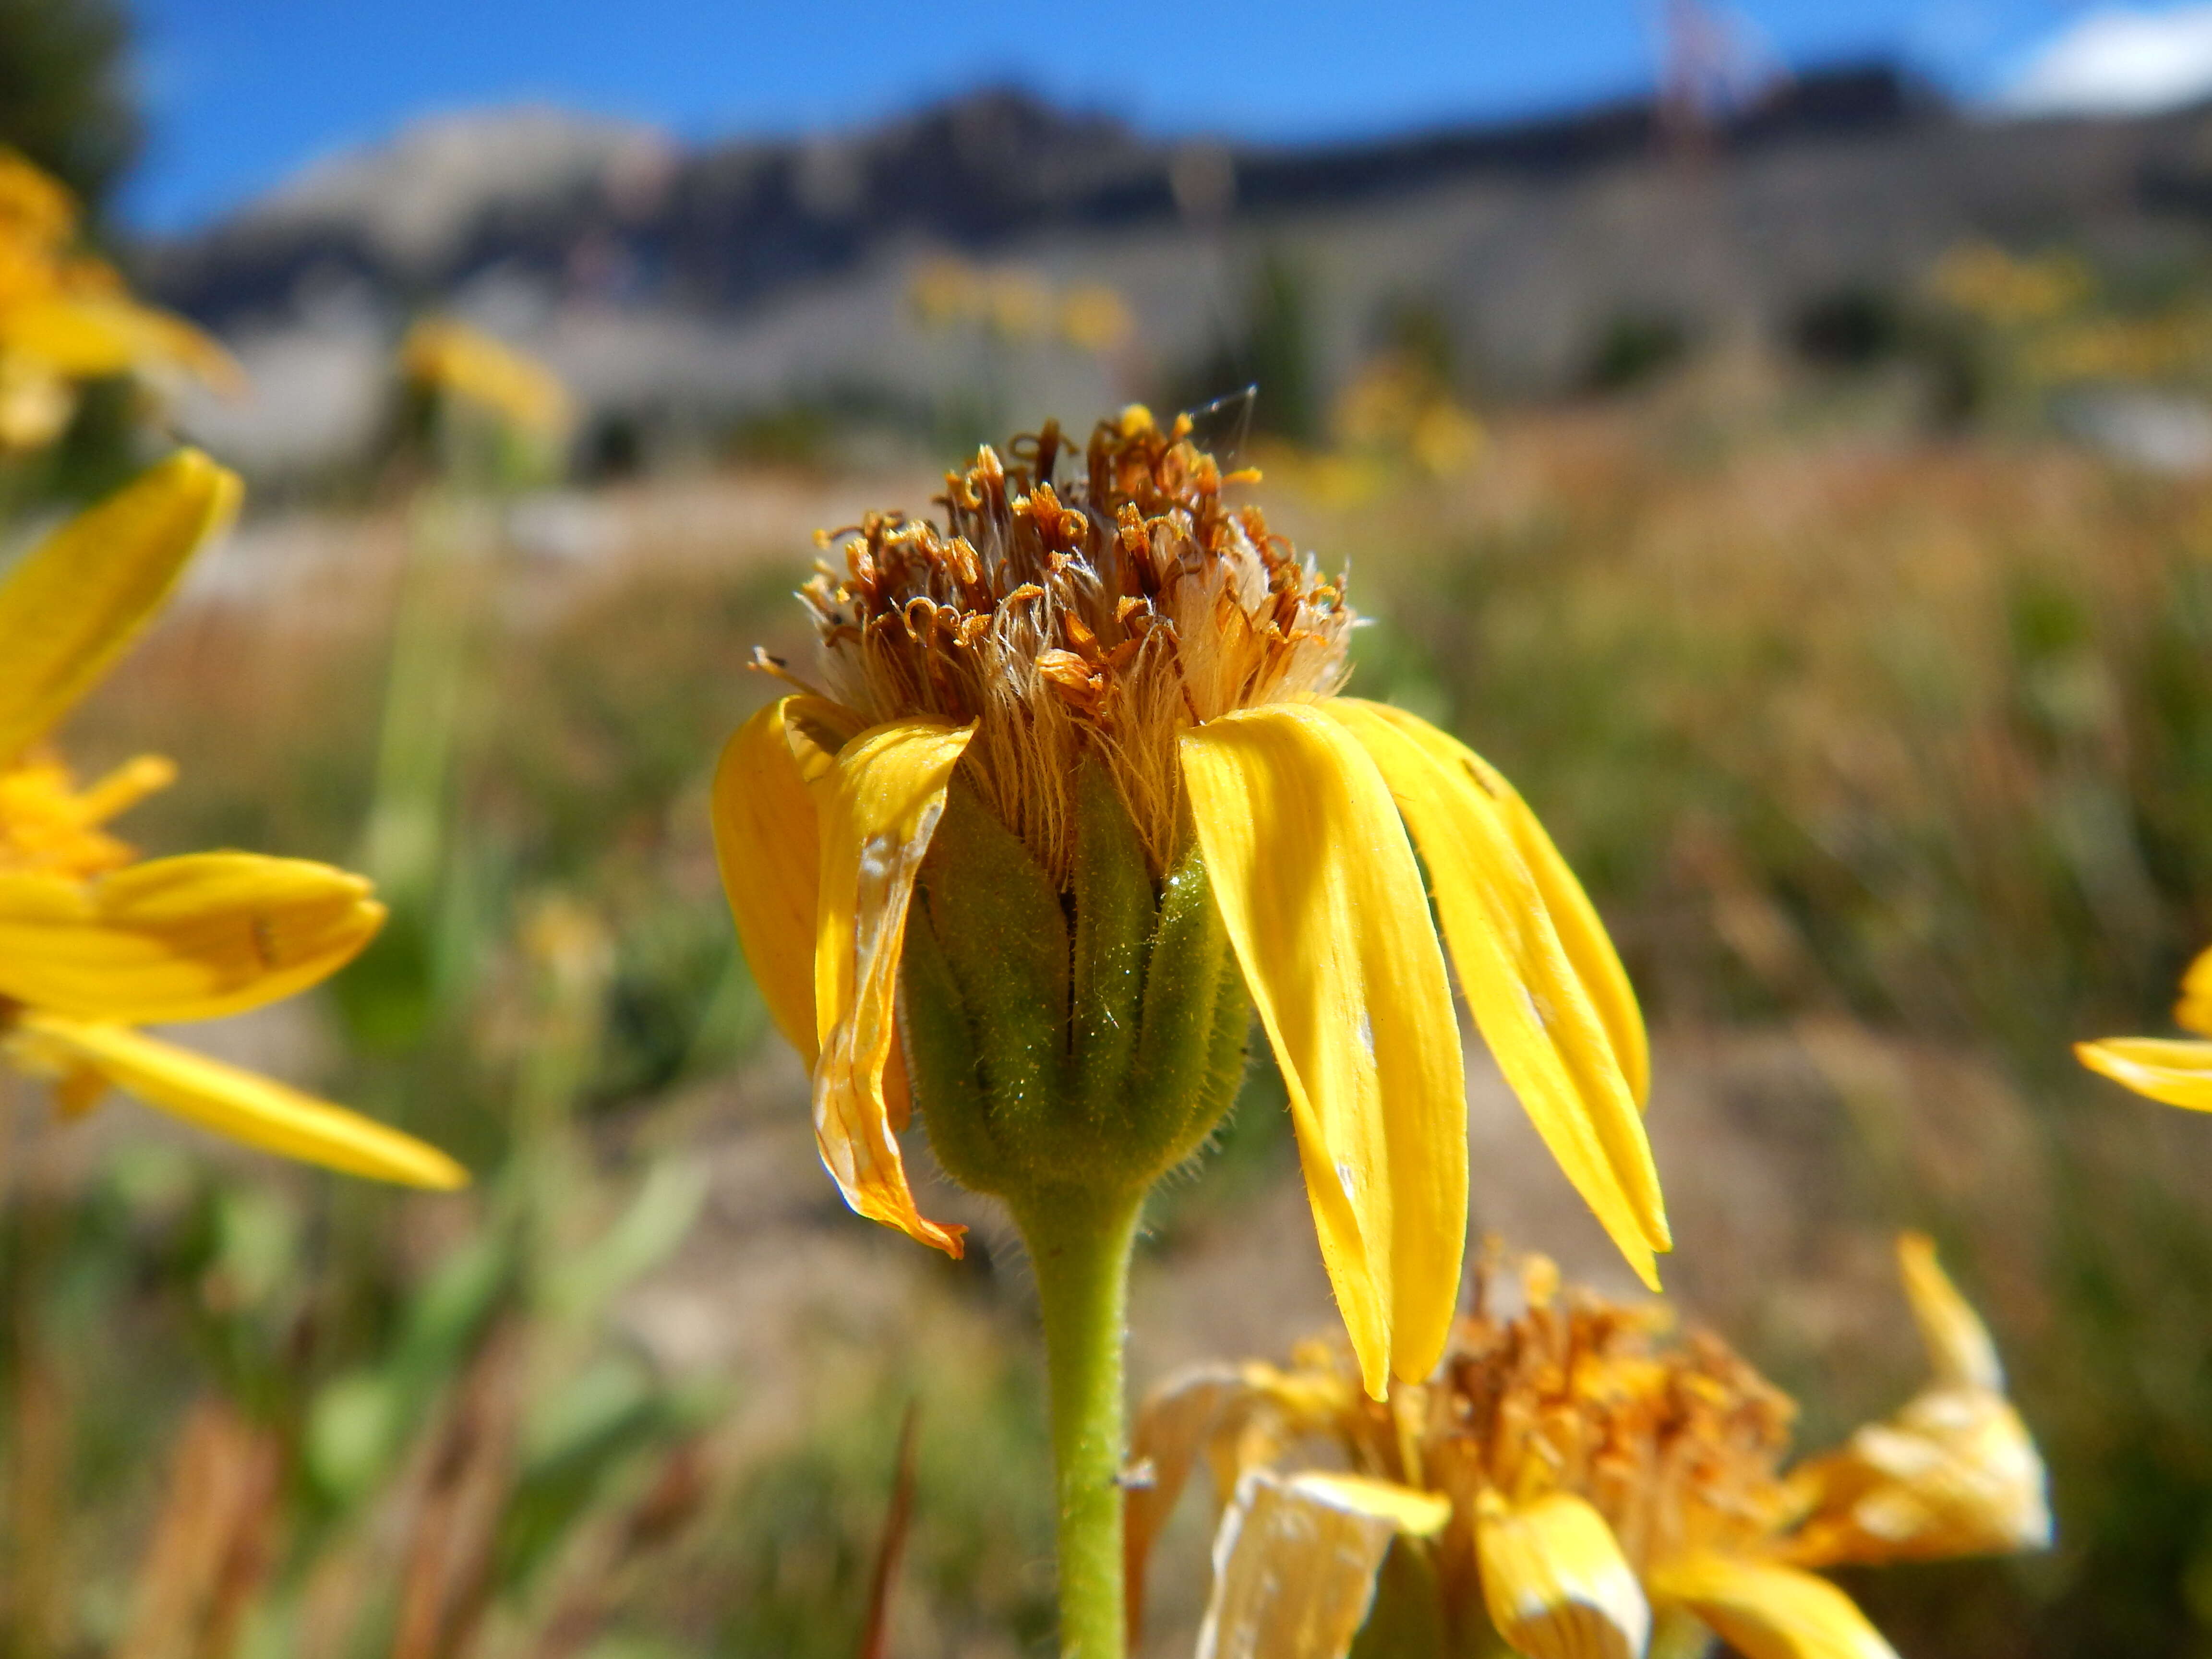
1104	617
1091	717
1605	1480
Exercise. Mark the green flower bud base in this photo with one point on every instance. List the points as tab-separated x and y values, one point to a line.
1066	1049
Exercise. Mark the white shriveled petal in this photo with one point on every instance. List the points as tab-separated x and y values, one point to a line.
1295	1560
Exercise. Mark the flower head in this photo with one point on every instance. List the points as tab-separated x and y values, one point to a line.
452	358
93	941
66	316
1603	1478
1094	713
1105	624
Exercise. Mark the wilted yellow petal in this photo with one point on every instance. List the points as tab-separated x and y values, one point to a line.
2173	1070
2194	1012
1770	1612
1575	919
1954	1474
770	851
877	808
1960	1350
1555	1580
236	1103
80	597
190	938
1323	904
1295	1560
1529	1001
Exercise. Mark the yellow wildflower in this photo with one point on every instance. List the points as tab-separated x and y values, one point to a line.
1127	636
94	942
65	317
451	358
1013	304
1607	1487
1095	317
2177	1070
2008	290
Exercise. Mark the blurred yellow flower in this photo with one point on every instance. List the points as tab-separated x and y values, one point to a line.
65	317
2007	290
1014	304
92	942
1396	407
2174	1070
452	358
1131	626
1095	317
1608	1494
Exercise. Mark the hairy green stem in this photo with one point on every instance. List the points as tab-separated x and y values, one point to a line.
1080	1247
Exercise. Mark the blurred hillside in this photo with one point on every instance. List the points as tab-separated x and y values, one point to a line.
683	292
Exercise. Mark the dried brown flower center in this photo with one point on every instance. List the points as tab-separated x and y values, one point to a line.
1679	1446
1097	617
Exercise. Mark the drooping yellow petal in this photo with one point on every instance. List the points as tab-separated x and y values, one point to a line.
78	599
770	851
2171	1070
877	809
1769	1612
1960	1350
1574	917
236	1103
190	938
1323	904
1555	1580
1295	1560
1531	1004
2194	1012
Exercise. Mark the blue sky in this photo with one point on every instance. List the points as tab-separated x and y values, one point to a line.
239	93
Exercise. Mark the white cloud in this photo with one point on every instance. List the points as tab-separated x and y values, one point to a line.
2119	62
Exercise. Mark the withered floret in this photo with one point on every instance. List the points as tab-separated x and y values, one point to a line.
1101	614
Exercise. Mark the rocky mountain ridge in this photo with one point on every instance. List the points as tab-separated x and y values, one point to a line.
678	291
